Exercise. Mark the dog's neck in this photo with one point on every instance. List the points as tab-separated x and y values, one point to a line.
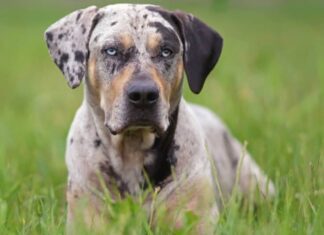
136	153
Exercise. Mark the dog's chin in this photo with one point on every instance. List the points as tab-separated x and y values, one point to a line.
138	126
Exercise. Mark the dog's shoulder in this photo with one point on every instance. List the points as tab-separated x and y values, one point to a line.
82	138
190	139
199	125
207	118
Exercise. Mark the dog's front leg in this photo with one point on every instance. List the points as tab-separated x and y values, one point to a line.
84	210
192	195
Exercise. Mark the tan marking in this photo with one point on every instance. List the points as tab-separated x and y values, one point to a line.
115	89
164	87
126	40
179	74
93	79
177	82
153	42
92	69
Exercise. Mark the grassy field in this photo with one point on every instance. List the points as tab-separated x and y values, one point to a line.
268	88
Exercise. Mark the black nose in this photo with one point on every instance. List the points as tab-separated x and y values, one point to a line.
142	93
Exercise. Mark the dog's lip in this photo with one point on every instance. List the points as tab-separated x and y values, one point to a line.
153	127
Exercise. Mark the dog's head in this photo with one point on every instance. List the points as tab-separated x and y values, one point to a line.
133	58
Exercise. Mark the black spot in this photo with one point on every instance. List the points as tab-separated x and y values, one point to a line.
114	13
134	25
113	23
63	59
145	16
233	157
96	38
84	29
71	78
73	45
112	178
127	57
113	68
167	65
78	16
59	52
79	56
171	157
49	36
97	143
60	36
71	141
80	73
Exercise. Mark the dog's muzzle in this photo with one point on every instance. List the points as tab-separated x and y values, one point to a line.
142	106
143	100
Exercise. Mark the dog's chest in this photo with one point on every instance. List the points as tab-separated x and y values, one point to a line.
127	158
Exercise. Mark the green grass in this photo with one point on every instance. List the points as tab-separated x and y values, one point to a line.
268	88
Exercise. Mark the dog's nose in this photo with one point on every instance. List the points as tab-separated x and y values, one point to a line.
143	94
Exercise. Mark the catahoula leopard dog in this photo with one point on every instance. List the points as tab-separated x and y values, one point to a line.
134	129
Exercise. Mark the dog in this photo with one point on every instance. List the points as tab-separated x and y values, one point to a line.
134	130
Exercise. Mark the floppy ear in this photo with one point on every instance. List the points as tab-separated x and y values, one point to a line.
202	48
67	41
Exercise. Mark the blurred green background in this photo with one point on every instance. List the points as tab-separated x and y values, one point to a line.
268	88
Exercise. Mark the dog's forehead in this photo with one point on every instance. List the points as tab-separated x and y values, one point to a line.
136	20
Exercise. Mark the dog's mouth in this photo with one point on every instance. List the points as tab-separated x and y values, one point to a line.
129	119
135	126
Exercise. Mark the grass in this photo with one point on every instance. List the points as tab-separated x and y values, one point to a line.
268	88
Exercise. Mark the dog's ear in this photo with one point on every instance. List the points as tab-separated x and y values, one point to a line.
67	42
202	45
202	48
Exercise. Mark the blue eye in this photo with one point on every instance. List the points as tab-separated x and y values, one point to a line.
111	51
166	52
